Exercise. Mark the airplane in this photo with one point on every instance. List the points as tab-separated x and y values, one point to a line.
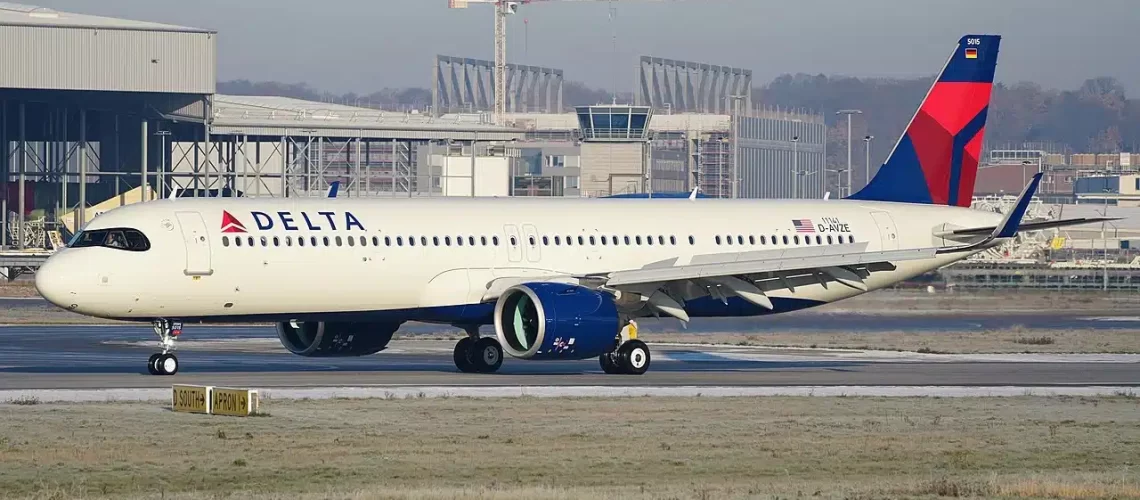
558	279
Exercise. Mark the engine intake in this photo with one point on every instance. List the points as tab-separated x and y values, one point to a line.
555	321
334	339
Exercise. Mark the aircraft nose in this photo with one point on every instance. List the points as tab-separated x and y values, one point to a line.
53	283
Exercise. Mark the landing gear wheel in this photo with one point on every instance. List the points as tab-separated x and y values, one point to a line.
633	357
152	363
486	355
462	349
608	364
165	364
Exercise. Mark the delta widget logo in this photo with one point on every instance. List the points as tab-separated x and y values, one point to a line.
231	224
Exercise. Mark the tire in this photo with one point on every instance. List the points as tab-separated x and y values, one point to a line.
152	363
462	350
486	355
167	364
633	357
608	365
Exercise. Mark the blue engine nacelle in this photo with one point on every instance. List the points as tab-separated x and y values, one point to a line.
555	321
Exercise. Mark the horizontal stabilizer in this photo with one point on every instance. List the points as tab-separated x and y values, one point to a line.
1010	223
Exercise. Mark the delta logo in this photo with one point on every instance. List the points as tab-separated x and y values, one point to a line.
290	221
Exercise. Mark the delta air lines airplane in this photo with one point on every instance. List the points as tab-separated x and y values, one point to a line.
557	278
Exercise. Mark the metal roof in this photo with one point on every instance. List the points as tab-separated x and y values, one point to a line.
279	116
14	14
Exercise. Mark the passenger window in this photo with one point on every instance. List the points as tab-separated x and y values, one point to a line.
591	241
225	241
435	241
614	239
376	241
626	240
673	240
495	240
692	240
313	241
411	241
237	241
851	238
796	239
325	240
603	240
718	239
557	240
387	241
581	241
660	240
545	241
649	240
785	240
751	240
483	240
423	241
364	241
250	241
276	241
447	241
351	241
530	239
514	241
740	239
400	241
300	242
459	241
818	239
807	240
829	239
288	241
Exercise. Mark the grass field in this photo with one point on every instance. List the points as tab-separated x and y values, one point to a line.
580	448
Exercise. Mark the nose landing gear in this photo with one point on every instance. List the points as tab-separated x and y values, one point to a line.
165	363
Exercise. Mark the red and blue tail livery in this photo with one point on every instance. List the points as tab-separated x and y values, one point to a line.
936	160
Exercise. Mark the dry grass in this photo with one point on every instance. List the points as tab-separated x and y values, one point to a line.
579	448
1012	340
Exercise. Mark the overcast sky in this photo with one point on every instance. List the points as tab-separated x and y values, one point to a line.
365	45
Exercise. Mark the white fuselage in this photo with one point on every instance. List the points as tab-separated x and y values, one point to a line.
370	268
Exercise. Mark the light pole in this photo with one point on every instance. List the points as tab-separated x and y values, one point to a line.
867	147
1104	239
795	166
736	144
848	112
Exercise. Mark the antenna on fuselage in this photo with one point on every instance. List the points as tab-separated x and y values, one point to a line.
827	195
693	195
173	194
334	186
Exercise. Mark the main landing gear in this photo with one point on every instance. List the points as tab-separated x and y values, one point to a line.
631	356
476	354
165	363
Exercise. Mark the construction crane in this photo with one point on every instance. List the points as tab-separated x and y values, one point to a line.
503	9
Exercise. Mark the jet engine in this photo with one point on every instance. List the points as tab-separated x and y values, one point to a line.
334	339
556	321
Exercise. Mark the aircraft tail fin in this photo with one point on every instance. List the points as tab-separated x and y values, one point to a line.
935	162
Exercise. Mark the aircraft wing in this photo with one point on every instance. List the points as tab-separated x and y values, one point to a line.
666	285
805	259
1027	226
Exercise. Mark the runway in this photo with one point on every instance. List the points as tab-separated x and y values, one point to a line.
113	357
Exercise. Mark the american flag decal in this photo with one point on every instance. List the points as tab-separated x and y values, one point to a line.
803	225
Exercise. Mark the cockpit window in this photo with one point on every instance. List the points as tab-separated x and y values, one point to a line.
120	238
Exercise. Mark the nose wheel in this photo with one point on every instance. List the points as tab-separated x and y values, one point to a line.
165	363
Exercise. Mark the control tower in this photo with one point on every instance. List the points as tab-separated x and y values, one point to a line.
615	149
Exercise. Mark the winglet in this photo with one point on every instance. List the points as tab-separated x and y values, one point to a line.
1012	220
1010	223
333	188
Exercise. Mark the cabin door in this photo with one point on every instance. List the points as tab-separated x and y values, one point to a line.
197	242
